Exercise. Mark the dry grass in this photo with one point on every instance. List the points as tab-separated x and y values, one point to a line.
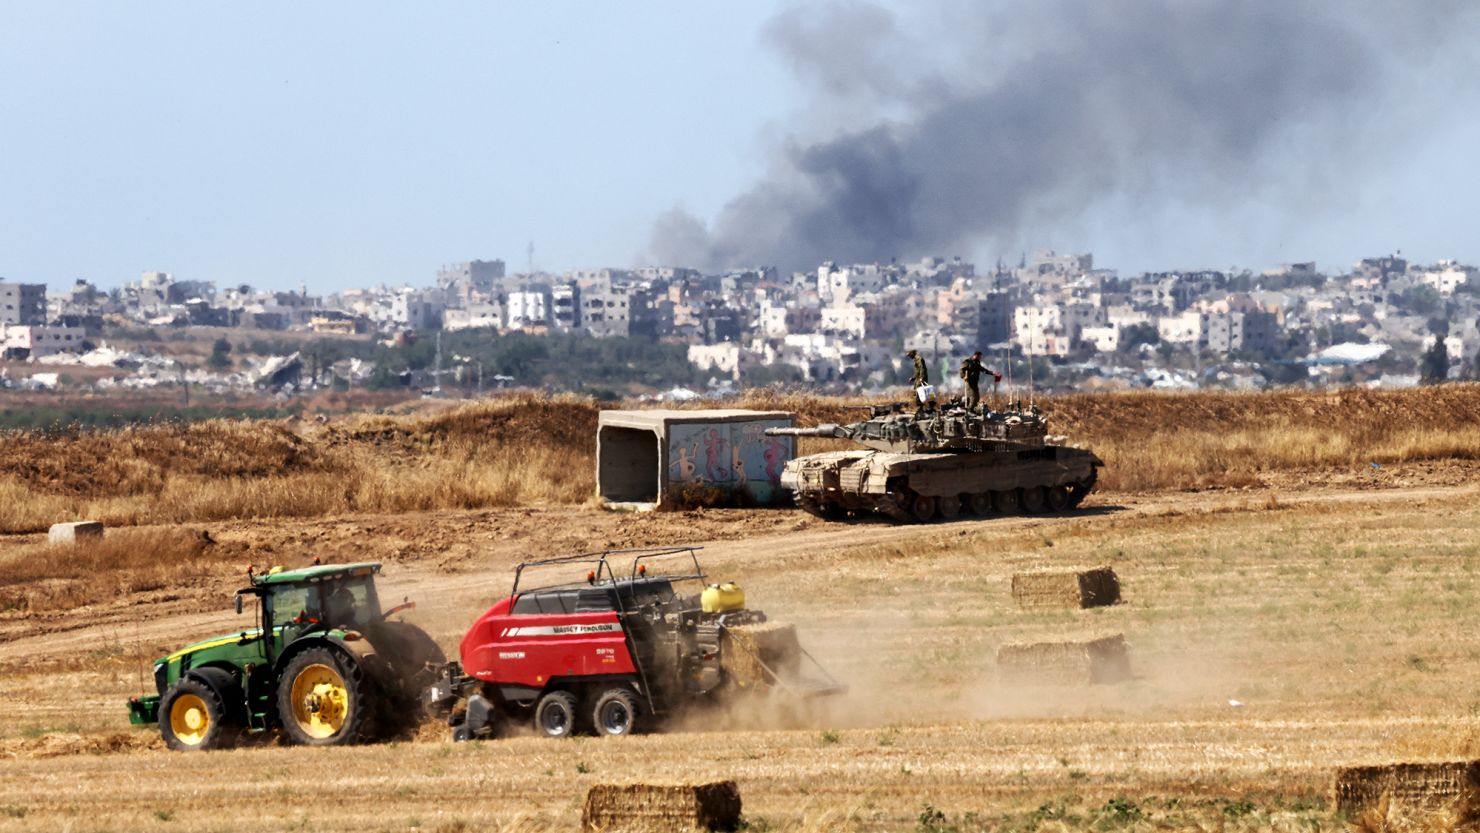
526	449
43	578
534	449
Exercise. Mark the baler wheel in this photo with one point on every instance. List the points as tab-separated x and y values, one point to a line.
615	712
192	718
555	715
323	699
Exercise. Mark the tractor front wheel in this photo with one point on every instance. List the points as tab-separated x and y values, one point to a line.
555	715
615	712
192	718
323	699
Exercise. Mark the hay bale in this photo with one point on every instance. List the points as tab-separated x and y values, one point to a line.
1405	789
645	808
1103	660
747	650
1066	588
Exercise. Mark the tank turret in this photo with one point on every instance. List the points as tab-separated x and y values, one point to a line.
937	431
916	465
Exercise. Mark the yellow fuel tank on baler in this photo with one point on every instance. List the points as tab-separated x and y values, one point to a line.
722	598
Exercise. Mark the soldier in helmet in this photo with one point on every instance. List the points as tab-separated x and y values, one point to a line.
971	373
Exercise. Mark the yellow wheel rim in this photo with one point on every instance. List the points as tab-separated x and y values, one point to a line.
190	719
320	701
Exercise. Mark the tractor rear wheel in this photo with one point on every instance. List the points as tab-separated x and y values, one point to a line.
922	507
1034	499
615	712
1058	498
1005	502
193	718
555	715
324	699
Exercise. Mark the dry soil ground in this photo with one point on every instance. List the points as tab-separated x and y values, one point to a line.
1342	621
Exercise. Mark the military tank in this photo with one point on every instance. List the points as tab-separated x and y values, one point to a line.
940	463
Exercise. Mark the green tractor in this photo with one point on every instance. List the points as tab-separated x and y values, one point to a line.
324	664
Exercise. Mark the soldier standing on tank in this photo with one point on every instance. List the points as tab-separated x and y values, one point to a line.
922	374
971	372
920	379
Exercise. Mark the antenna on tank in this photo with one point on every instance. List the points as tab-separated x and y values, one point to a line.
1030	373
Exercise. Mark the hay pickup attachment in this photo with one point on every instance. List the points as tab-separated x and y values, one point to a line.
640	639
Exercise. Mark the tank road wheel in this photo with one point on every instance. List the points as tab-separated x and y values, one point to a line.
555	715
1083	488
811	506
615	712
979	504
1005	501
1058	498
922	507
192	718
1035	498
323	699
950	506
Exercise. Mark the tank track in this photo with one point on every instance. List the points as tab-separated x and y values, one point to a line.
895	508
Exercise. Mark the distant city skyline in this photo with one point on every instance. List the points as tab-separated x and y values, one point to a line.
340	145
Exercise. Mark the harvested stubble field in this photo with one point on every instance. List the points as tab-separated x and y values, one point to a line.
1340	617
1343	621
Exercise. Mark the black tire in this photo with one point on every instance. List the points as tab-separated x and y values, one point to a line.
555	715
614	713
324	699
1006	502
950	506
1035	499
922	507
980	503
414	658
1058	498
193	717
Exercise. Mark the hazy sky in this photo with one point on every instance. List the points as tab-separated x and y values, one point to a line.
342	144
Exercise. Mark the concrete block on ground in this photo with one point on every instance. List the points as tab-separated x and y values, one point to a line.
73	532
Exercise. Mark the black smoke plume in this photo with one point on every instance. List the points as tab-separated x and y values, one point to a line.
994	118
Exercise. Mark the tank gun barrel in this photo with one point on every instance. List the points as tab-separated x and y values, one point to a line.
825	430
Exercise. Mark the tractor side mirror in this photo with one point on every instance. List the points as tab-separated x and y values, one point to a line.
238	604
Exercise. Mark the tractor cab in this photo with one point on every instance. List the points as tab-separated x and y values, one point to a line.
340	597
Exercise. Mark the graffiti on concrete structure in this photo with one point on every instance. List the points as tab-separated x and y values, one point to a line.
734	455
